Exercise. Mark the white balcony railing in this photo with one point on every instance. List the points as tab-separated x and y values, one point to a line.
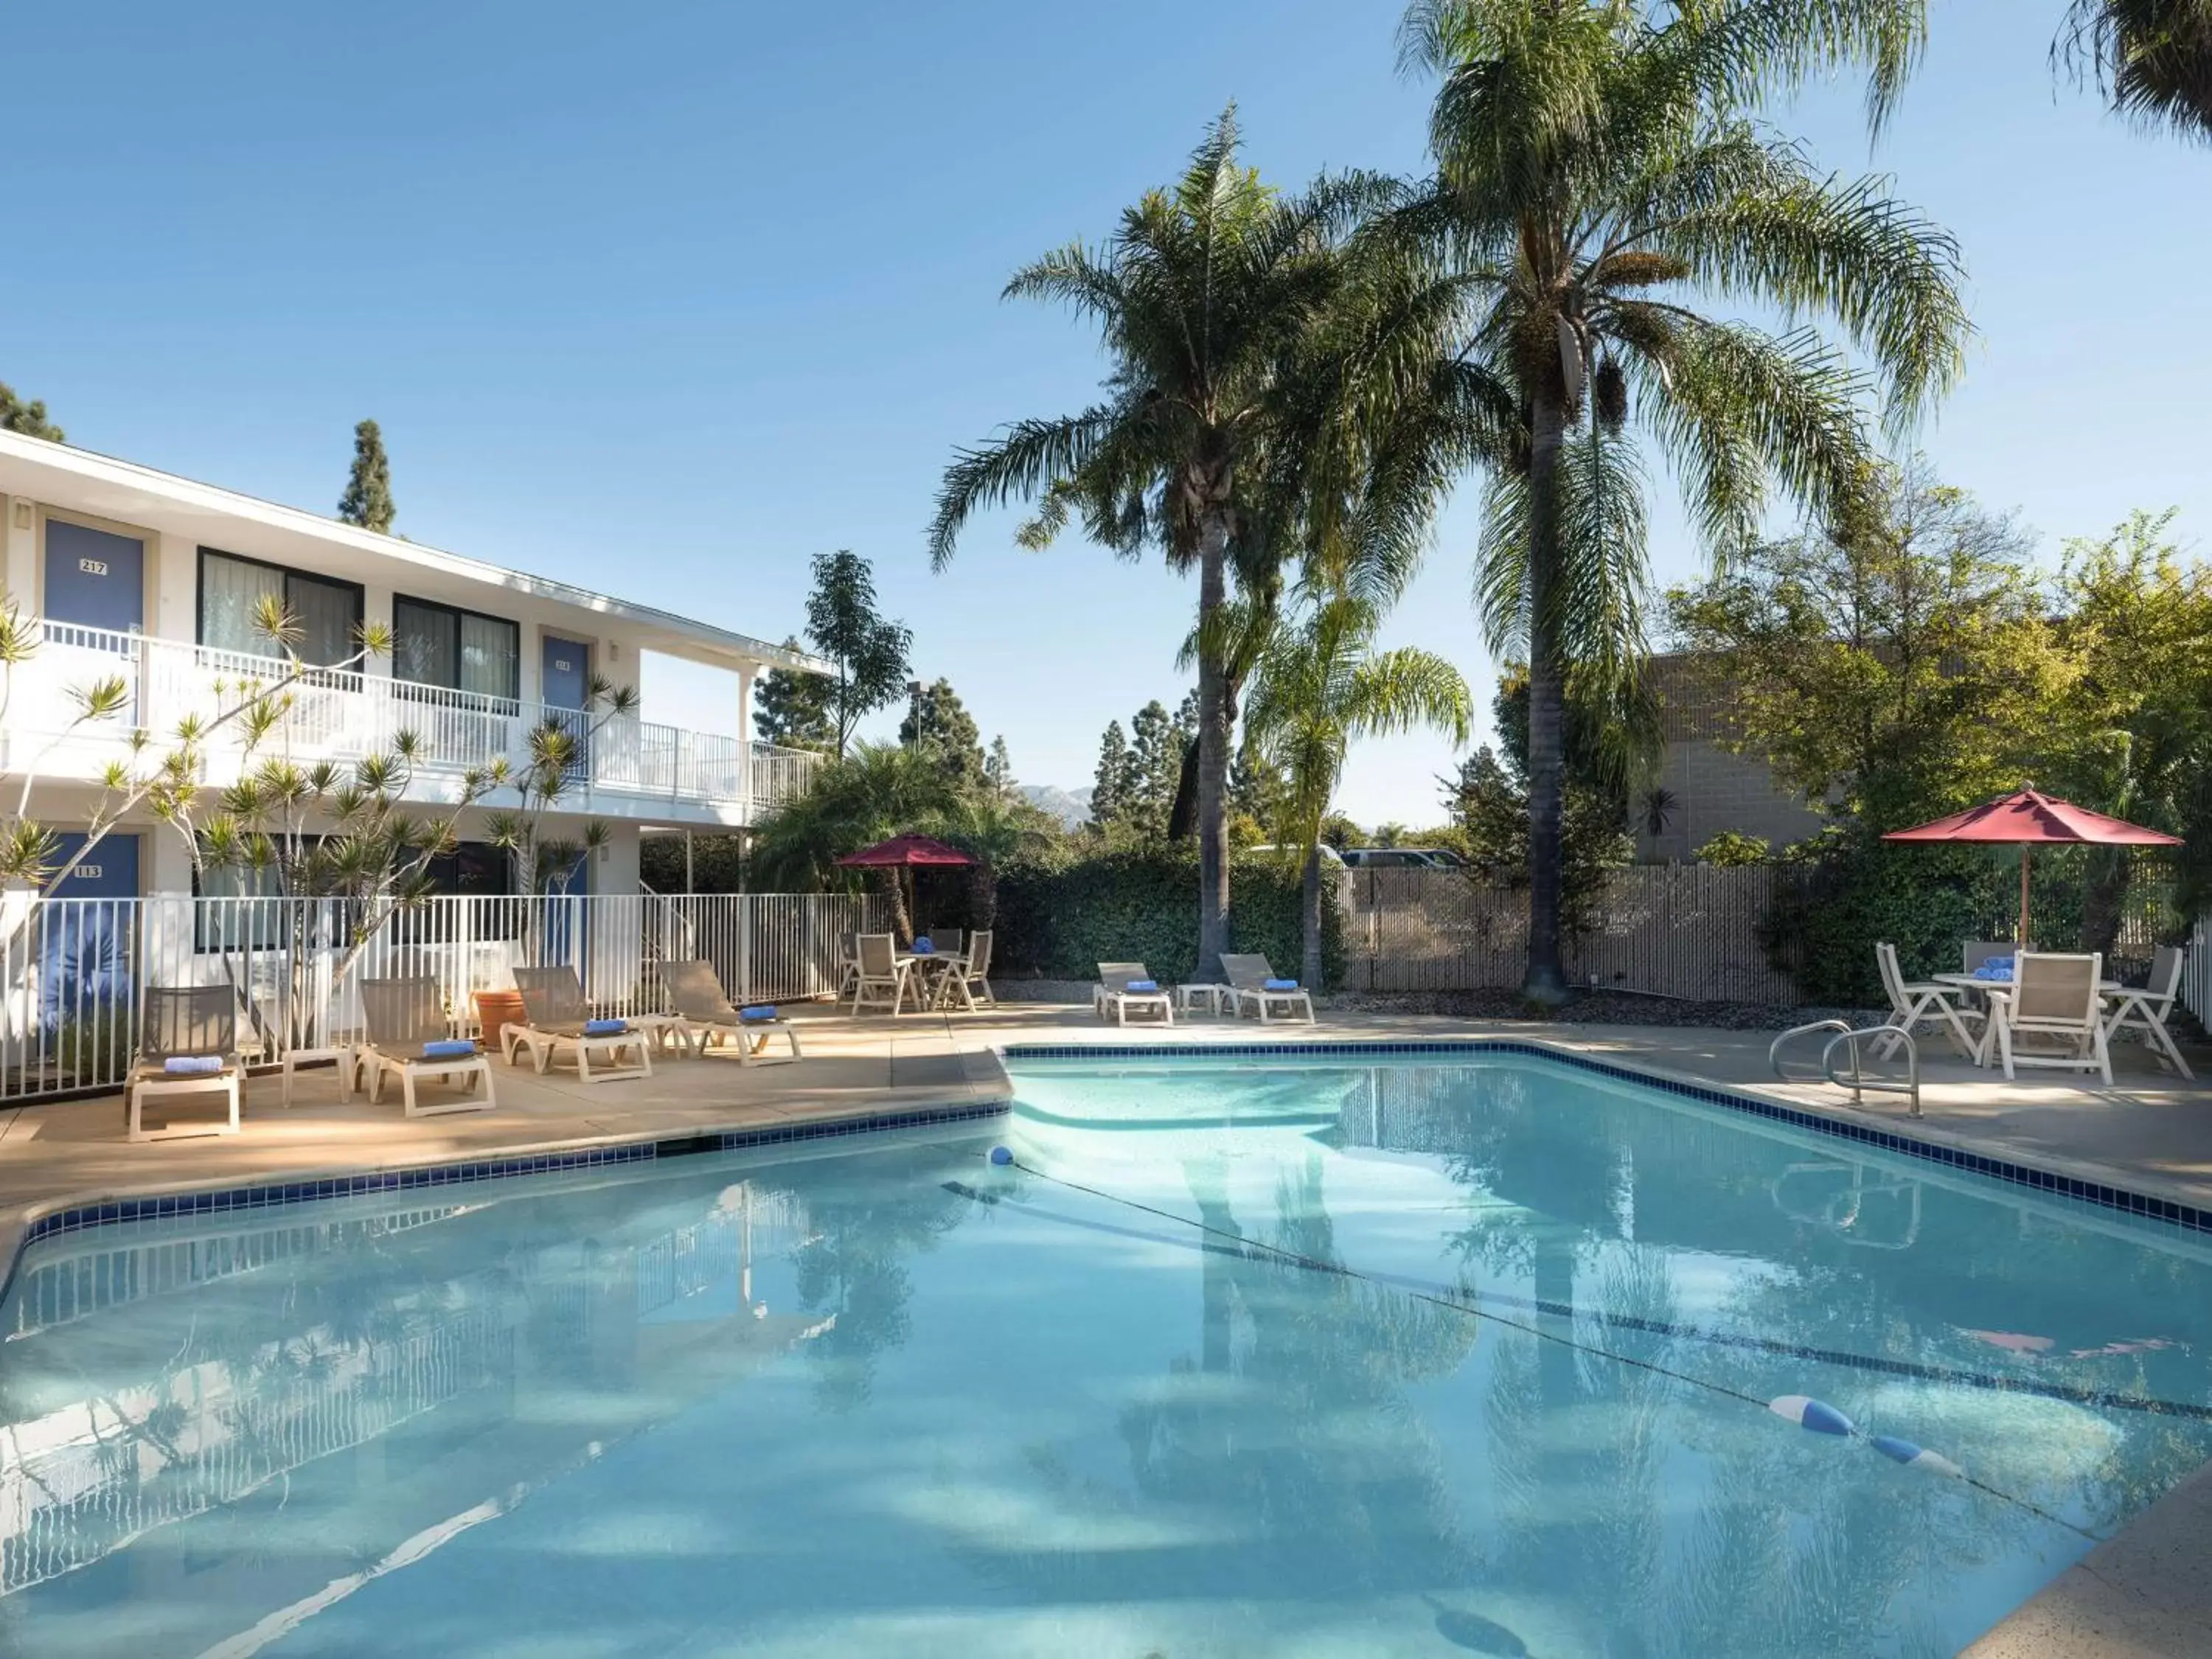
348	715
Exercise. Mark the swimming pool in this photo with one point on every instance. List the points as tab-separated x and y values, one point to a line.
1240	1357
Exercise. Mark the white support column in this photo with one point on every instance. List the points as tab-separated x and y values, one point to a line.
745	744
20	576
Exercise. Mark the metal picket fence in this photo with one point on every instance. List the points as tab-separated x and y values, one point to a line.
71	970
1686	930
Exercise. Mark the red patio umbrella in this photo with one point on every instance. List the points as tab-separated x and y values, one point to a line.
908	853
905	853
2027	819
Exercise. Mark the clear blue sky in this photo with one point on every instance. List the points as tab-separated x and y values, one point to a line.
663	298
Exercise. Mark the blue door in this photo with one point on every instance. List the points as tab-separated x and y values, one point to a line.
565	682
84	948
94	578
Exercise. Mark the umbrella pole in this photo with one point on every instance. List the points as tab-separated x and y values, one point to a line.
2026	853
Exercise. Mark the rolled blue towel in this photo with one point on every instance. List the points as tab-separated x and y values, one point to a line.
1996	969
1281	984
192	1065
606	1027
766	1010
1142	985
922	947
450	1048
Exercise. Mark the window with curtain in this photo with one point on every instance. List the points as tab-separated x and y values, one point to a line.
437	645
329	613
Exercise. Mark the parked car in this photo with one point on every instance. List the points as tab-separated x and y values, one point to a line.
1403	858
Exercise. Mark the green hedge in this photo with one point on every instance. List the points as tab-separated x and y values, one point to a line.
1823	925
1060	921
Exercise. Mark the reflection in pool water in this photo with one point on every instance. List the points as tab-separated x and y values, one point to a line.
885	1398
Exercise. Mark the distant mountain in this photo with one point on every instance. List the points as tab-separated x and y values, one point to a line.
1071	806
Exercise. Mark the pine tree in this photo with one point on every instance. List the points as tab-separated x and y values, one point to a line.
794	709
368	498
1156	756
1110	784
999	767
937	720
29	419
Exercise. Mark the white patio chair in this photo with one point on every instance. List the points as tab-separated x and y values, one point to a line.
183	1032
556	1021
2146	1010
1911	1001
2052	996
968	974
880	975
705	1016
1251	979
1125	987
408	1035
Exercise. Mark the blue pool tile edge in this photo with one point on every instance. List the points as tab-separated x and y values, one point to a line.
217	1201
2102	1196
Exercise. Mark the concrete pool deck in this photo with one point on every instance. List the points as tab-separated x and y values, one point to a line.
2148	1591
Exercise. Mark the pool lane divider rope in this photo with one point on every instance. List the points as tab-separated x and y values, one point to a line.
1809	1413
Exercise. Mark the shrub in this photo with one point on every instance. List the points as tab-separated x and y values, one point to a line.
1061	919
1852	889
1731	849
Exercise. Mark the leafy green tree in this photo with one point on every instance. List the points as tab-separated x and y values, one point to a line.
368	498
1201	297
2133	735
1892	668
1322	686
794	709
1599	174
937	720
2150	59
868	651
1113	783
29	419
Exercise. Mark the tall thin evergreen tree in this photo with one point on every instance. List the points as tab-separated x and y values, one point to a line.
368	498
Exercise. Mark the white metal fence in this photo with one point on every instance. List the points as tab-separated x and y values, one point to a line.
72	970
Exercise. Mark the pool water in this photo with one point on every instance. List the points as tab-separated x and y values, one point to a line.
1239	1358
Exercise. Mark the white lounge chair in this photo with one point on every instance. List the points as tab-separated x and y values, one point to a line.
1251	979
185	1030
2146	1010
410	1036
1911	1001
881	975
705	1016
1125	987
2052	996
969	973
556	1020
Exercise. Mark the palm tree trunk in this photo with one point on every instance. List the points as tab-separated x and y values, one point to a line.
1310	922
1545	982
1213	719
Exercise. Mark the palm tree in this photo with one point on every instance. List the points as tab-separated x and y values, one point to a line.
1201	298
2151	59
877	790
1321	685
1598	174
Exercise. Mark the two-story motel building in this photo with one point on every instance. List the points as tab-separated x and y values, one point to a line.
156	579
